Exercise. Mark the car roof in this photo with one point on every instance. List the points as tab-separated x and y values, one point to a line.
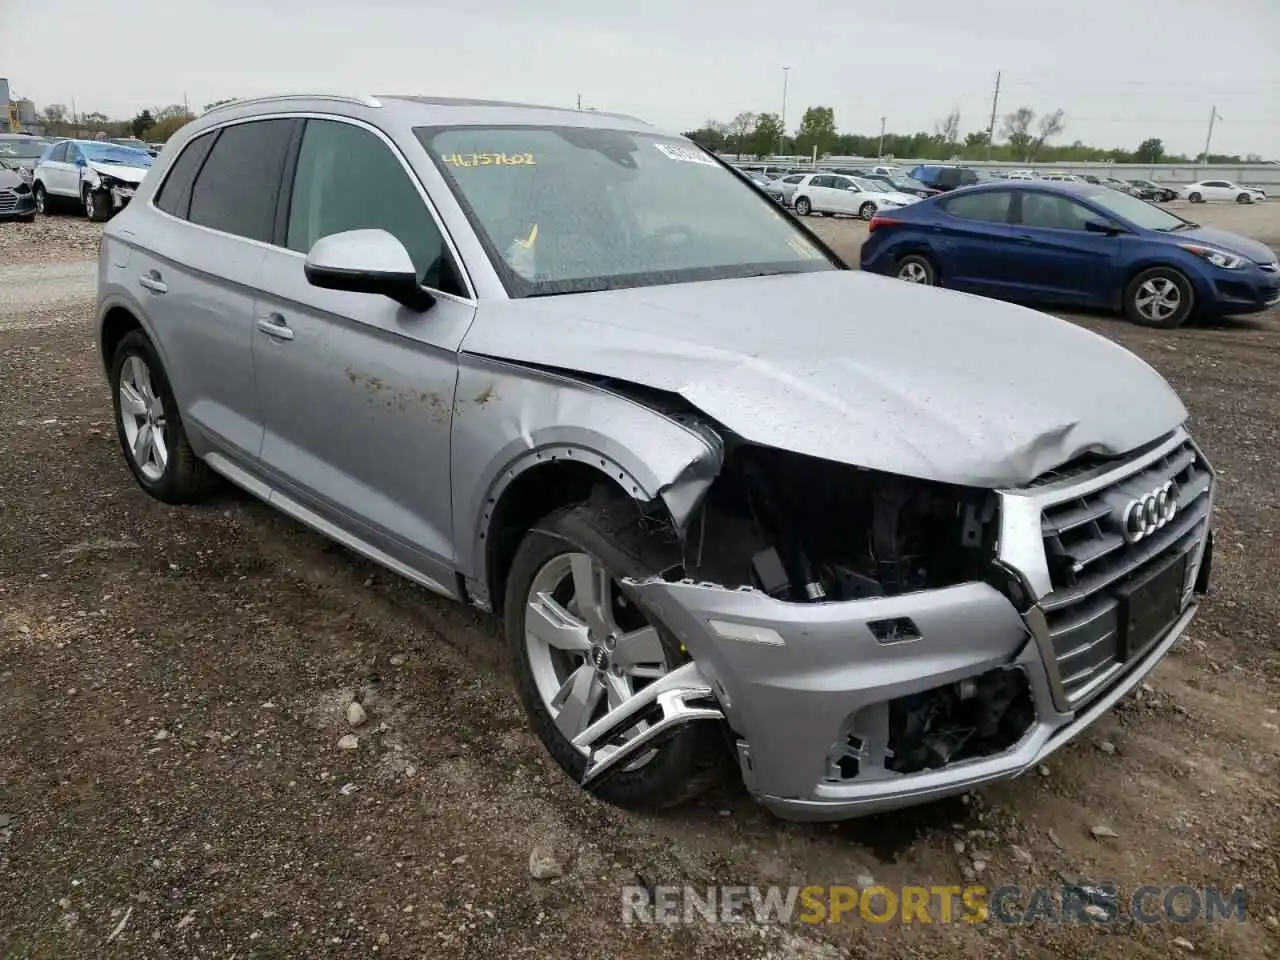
1064	187
408	110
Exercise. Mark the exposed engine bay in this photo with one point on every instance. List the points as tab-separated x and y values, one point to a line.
807	530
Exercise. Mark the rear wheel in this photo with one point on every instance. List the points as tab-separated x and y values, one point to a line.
580	649
803	206
867	210
917	268
1160	297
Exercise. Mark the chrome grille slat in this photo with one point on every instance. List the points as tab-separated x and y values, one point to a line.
1089	557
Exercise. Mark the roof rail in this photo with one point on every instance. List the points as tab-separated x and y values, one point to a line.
360	99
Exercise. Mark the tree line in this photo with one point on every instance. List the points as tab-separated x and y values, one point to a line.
1022	136
154	126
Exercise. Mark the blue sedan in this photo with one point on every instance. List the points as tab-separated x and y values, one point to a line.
1075	244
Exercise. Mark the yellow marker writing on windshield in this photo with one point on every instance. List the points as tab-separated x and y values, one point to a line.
527	242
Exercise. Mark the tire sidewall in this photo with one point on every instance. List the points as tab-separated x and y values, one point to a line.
803	206
1184	287
658	782
867	211
136	344
43	206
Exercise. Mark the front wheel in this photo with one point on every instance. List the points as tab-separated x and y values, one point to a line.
580	648
97	204
917	268
1245	198
1160	297
1196	198
803	206
867	210
43	204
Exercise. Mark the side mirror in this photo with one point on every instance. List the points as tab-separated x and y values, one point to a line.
1096	225
81	162
366	261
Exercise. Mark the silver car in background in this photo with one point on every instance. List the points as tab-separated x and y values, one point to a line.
735	505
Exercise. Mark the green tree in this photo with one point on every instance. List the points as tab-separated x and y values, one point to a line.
817	129
1150	150
169	120
740	128
143	122
713	134
766	138
1050	126
1016	129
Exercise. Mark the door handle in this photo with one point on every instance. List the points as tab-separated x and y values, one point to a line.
274	325
151	281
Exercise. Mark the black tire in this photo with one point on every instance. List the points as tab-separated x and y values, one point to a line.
1245	198
867	210
921	262
1185	305
803	206
1195	198
97	204
186	477
612	531
27	218
44	202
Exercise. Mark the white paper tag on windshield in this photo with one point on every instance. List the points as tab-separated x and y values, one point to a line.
675	152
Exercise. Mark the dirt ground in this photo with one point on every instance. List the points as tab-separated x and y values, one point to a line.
173	685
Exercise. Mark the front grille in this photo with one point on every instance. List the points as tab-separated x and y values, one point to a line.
1090	561
8	201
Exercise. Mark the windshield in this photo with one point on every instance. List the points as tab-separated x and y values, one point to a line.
111	153
872	186
573	209
1138	212
25	147
907	183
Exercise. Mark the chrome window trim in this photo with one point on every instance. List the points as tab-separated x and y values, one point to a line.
464	274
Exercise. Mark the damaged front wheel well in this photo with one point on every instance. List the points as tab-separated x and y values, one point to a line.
528	498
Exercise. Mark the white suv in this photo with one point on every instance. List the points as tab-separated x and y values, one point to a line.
97	177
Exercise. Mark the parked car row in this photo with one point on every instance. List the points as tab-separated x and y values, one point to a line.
1075	244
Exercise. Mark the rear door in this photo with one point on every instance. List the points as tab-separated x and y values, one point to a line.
357	390
57	174
218	211
977	240
1056	258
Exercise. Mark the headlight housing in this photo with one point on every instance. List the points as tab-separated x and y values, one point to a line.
1219	258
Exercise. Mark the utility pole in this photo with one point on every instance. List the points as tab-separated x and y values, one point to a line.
75	118
991	130
185	108
782	135
579	101
880	151
1213	115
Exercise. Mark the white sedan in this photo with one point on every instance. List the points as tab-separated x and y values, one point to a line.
833	193
1207	190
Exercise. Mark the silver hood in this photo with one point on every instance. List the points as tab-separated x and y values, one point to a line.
856	368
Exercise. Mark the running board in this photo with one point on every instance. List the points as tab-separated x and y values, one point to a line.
674	694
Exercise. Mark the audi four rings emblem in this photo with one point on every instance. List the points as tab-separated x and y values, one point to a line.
1145	515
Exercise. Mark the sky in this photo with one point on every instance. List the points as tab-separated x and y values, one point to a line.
1121	70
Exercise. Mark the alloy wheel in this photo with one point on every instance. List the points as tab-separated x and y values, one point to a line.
913	271
589	649
142	415
89	204
1158	299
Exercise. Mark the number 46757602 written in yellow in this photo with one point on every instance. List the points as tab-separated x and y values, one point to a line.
490	160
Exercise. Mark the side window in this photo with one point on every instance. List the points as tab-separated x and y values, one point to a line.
821	182
74	154
349	179
1054	212
841	183
1216	183
174	196
990	207
59	154
796	178
237	188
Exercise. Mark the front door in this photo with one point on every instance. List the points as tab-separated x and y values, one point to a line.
1056	257
357	391
845	195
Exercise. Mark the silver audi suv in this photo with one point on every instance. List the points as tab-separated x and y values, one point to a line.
734	504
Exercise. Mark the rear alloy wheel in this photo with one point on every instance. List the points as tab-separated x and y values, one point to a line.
1160	297
581	650
917	268
803	206
867	210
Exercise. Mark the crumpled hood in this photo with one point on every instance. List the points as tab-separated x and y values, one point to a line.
119	171
1230	242
896	197
856	368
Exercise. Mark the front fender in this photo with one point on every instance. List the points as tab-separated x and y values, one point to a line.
509	418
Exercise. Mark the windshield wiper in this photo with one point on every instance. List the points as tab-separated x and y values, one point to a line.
1185	225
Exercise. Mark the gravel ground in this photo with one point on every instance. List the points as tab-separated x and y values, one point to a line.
174	686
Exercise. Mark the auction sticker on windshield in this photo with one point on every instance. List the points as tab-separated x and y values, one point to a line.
491	160
676	152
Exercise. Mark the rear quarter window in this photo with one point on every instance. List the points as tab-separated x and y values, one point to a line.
174	196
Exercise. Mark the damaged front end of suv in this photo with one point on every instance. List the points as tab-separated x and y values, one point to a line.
873	641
